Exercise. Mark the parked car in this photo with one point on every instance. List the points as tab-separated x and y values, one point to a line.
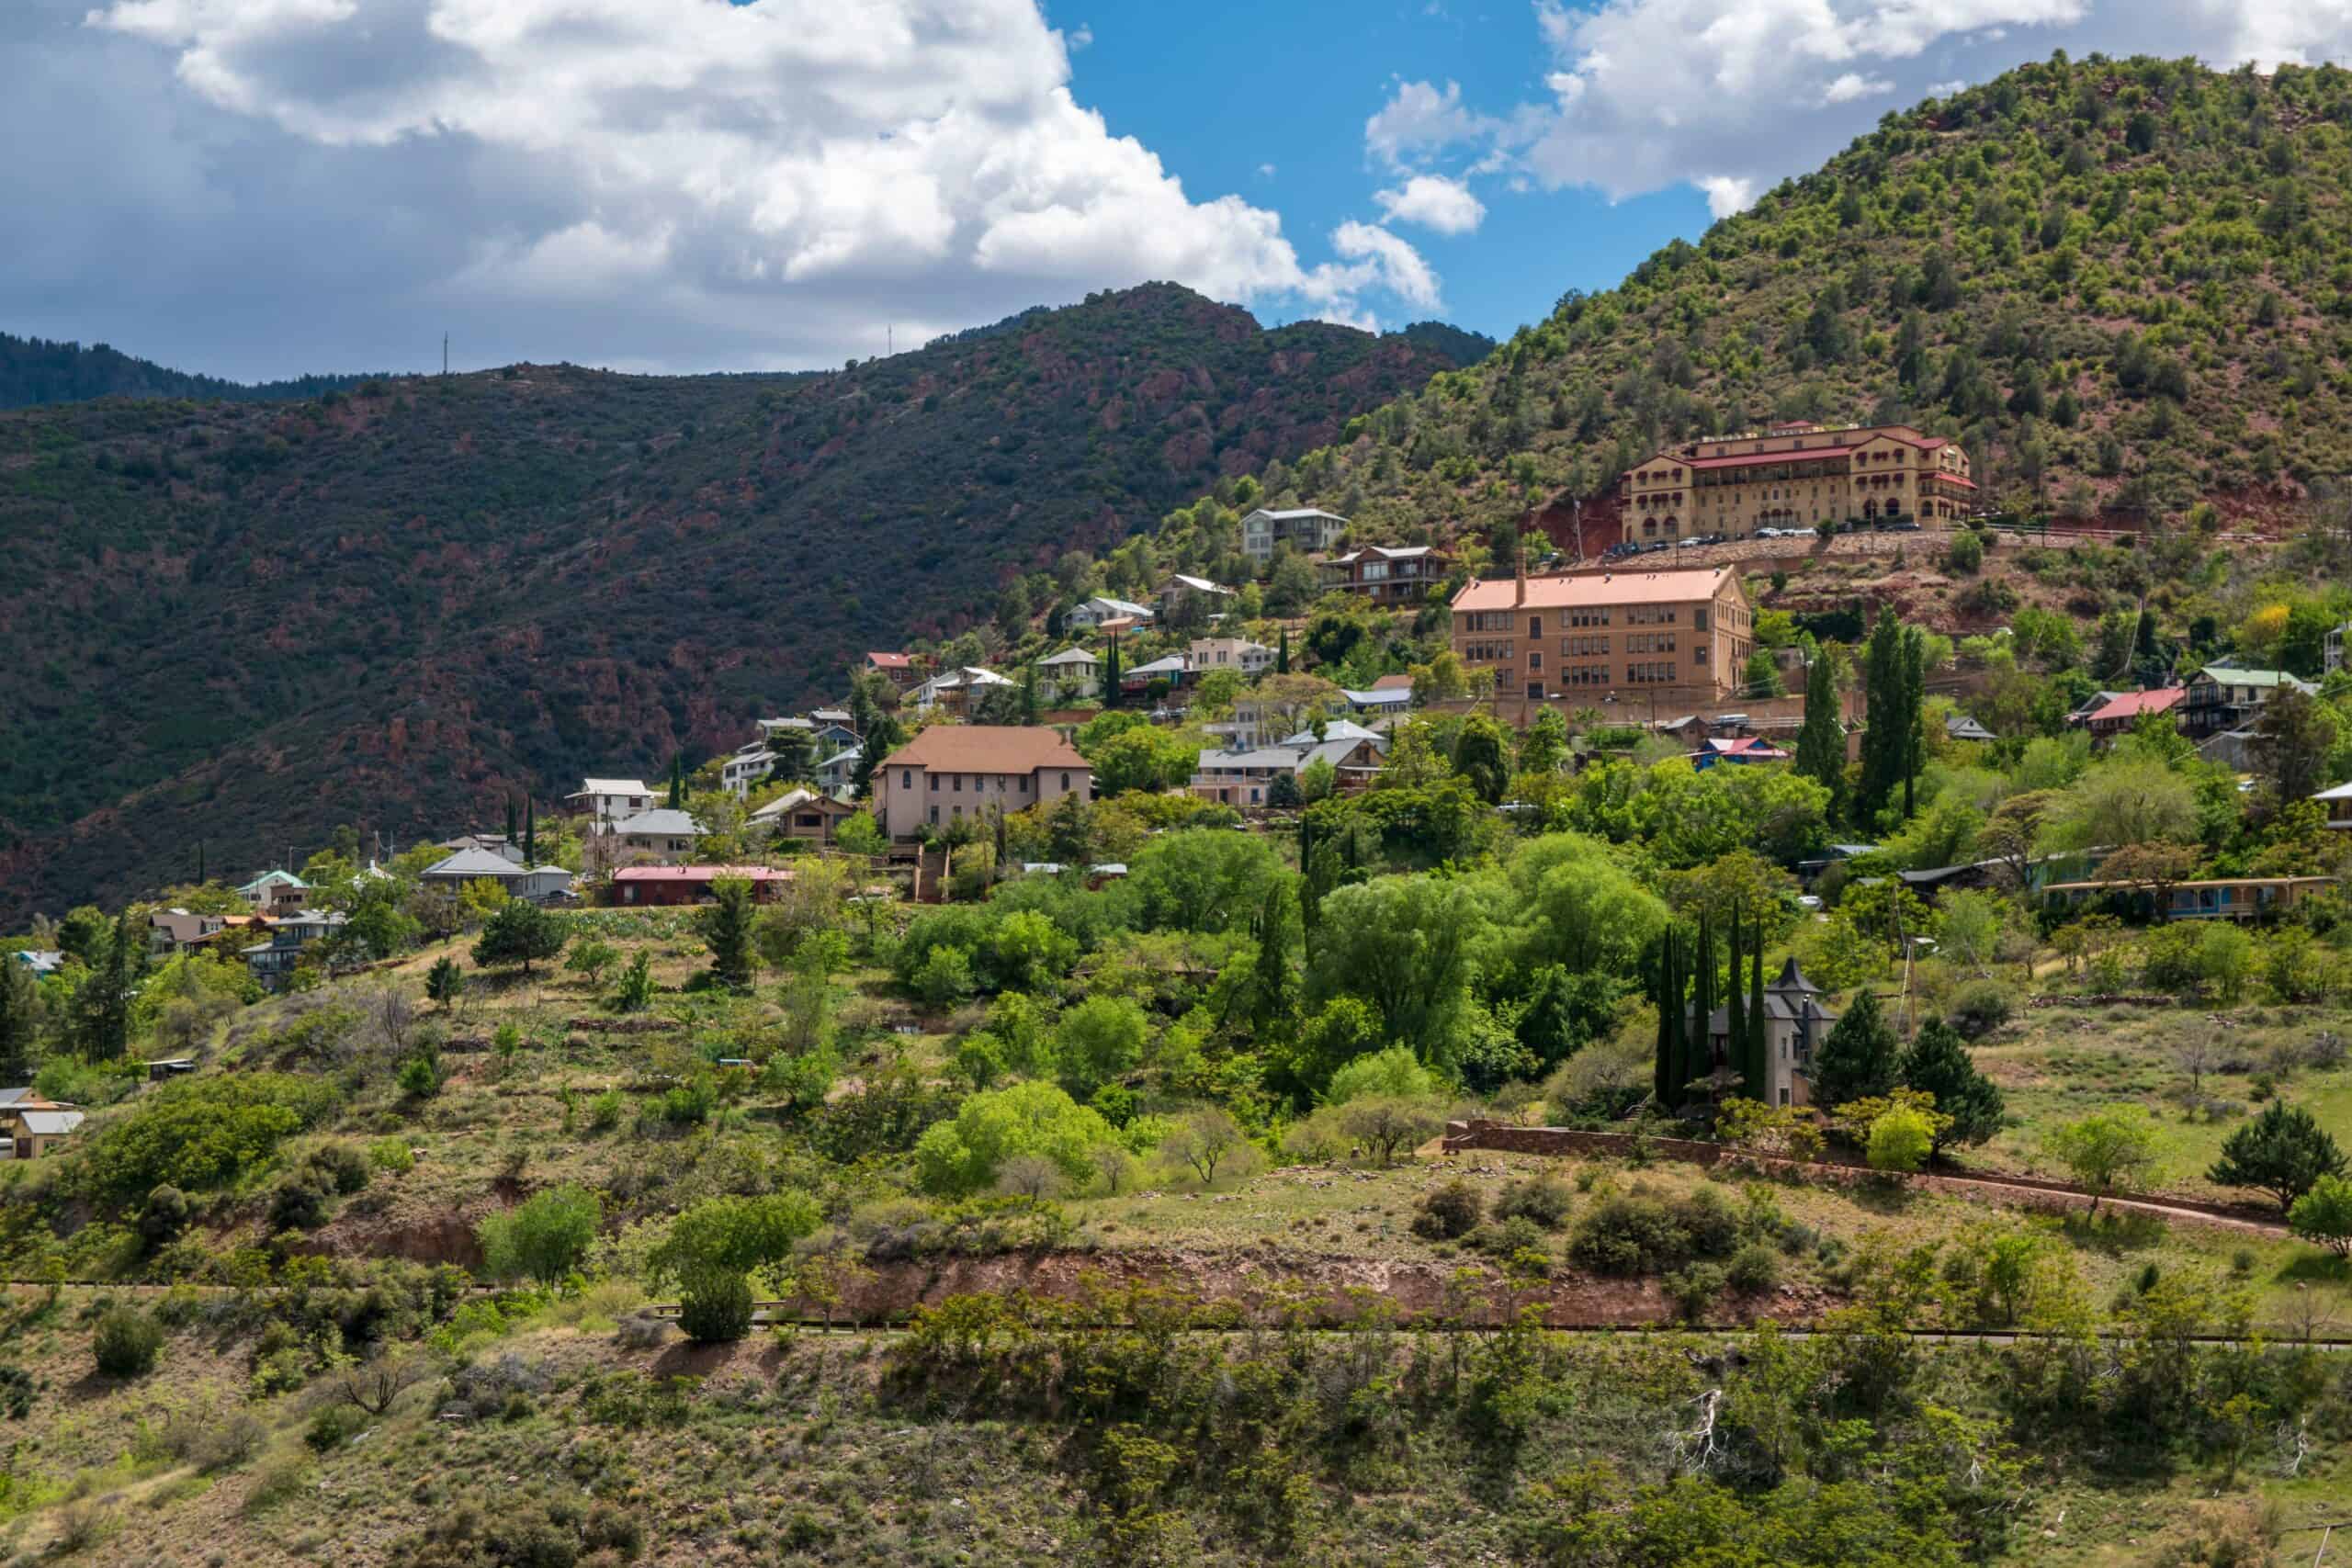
1903	529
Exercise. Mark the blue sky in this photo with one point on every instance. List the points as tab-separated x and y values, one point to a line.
263	187
1223	88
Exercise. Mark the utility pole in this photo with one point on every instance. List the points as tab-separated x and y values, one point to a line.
444	353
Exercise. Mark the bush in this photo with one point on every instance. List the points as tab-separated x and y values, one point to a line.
1508	1238
1641	1234
391	1154
1979	1007
1451	1212
1694	1290
333	1426
164	1216
341	1166
716	1306
299	1202
1753	1269
126	1342
202	1133
1545	1199
544	1237
419	1077
605	1111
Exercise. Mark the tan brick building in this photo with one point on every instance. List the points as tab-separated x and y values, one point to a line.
953	771
1796	476
1584	636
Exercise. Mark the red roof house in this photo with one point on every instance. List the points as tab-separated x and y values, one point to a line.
641	887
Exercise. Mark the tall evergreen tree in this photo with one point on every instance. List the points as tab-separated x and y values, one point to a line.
1938	1063
881	737
1821	743
1111	671
1663	1085
101	1015
530	832
20	1011
1913	709
1700	1041
1857	1060
1274	992
1736	1011
510	818
1759	1031
677	783
1029	695
199	862
1281	653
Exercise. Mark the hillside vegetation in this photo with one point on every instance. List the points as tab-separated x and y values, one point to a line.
241	624
2123	285
37	370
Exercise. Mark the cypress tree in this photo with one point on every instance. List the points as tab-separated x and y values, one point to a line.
510	818
1700	1048
1281	654
1662	1084
1111	672
1821	743
1883	747
1760	1033
1915	702
677	790
1736	1011
199	862
530	832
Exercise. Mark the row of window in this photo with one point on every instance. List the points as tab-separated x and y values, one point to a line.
1649	642
1653	615
1488	621
1583	646
1589	617
955	784
1505	651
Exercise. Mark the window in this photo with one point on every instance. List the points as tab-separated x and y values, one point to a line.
1534	660
1535	690
1065	781
1698	653
907	779
1535	625
959	784
1699	618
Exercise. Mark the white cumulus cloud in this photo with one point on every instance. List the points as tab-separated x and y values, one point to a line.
650	182
1435	202
1729	96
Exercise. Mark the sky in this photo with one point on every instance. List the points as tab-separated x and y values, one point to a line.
257	188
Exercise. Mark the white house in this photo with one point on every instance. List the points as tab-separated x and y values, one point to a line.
1305	529
607	801
839	771
1208	654
1096	610
746	768
662	836
1072	675
532	883
955	689
1180	588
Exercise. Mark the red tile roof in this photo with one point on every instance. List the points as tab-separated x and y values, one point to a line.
986	749
1562	591
701	873
888	661
2132	705
1754	459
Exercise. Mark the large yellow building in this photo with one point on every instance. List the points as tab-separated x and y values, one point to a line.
1585	637
1796	476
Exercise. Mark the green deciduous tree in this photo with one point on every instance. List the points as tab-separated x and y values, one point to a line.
1403	943
544	1237
2108	1151
2324	1215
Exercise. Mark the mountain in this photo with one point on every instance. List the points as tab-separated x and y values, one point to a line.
2125	284
34	371
241	624
1460	344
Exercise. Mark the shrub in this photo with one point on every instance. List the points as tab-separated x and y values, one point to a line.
299	1202
419	1077
1753	1269
126	1342
333	1426
1545	1199
1979	1007
1508	1238
1901	1140
716	1305
163	1217
1694	1290
2324	1215
605	1111
202	1133
544	1237
1450	1211
342	1167
391	1154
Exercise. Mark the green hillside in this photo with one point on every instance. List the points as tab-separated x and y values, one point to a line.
241	624
2124	285
34	371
